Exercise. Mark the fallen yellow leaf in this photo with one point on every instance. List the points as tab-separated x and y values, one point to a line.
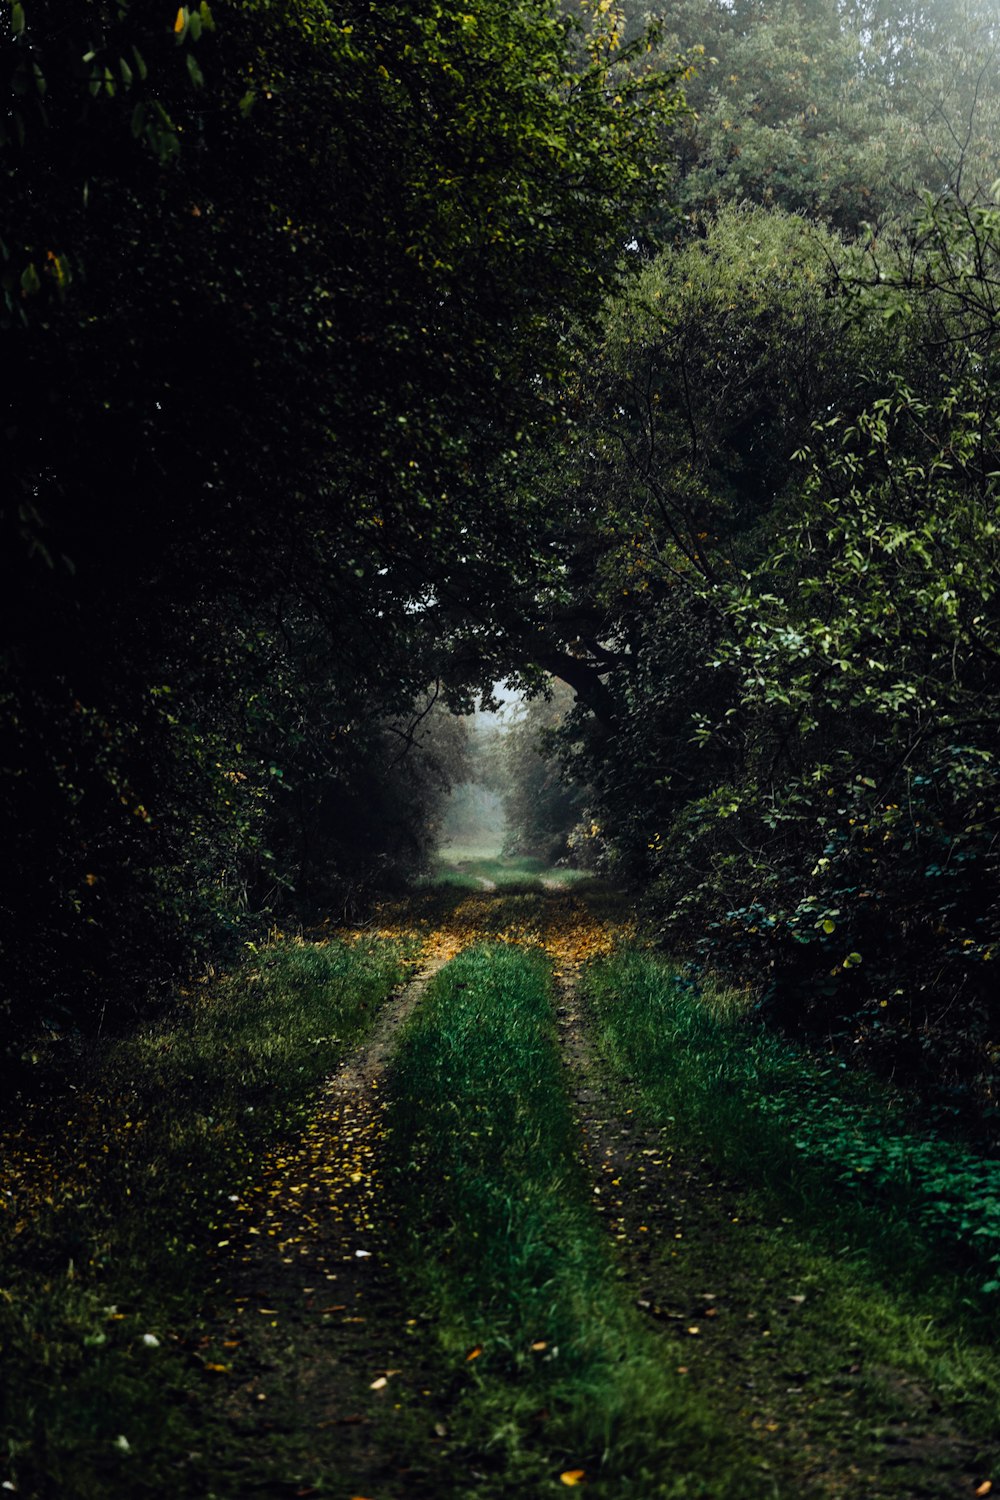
573	1476
474	1353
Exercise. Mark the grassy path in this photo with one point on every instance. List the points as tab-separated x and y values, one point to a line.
819	1373
477	1248
554	1381
314	1309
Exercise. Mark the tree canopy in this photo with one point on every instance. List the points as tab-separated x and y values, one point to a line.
278	288
364	359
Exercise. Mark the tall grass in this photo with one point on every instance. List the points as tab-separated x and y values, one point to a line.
831	1144
506	1254
111	1199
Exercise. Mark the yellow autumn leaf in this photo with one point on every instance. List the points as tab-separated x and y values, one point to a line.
573	1476
474	1353
179	21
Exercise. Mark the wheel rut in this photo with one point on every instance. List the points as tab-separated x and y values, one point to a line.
312	1336
813	1416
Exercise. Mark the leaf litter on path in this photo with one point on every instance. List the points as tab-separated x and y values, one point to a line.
323	1344
307	1271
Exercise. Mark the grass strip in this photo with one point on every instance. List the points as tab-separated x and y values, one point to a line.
468	870
112	1198
900	1227
552	1371
794	1124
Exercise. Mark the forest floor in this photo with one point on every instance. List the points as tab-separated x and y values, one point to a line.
341	1331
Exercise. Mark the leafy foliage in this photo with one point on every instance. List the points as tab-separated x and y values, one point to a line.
279	286
863	652
842	112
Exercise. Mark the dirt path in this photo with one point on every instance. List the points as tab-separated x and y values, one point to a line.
312	1338
330	1380
818	1418
312	1375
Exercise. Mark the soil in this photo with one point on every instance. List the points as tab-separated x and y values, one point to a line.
824	1421
330	1382
310	1315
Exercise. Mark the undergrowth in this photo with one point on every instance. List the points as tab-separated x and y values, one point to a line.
832	1136
907	1220
110	1207
505	1253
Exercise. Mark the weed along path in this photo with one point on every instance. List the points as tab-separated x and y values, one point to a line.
496	1230
789	1351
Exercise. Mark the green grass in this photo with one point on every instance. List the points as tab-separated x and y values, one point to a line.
505	1253
112	1201
900	1228
469	869
816	1130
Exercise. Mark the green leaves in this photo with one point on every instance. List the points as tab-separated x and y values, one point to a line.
289	286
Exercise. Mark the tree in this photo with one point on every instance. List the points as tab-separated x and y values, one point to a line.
542	809
279	286
708	373
852	853
840	111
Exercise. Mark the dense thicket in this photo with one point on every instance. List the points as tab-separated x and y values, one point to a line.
781	548
278	286
361	360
